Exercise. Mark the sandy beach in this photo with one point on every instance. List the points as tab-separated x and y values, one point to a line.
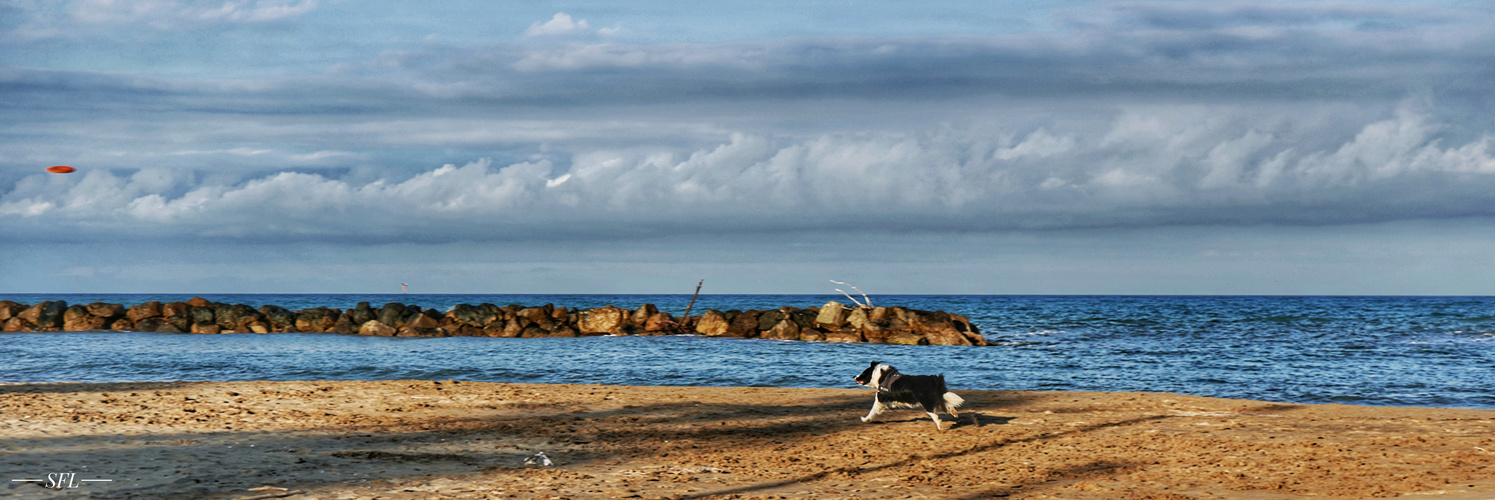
449	439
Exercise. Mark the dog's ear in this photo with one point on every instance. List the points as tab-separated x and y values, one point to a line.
875	363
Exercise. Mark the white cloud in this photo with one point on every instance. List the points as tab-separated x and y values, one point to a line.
562	24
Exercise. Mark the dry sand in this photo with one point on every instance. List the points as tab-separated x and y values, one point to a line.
426	439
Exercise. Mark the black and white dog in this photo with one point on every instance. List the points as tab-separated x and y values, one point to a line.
897	390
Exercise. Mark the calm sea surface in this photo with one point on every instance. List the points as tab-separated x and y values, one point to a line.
1421	351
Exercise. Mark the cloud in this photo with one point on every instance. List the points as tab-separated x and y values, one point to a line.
80	18
1152	166
563	25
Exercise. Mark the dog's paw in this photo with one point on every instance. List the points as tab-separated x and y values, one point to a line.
864	419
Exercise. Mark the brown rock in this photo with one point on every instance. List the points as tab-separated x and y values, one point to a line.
659	322
9	310
344	325
879	314
423	322
85	322
564	331
170	309
74	313
534	331
858	318
641	315
712	324
602	321
206	328
376	328
261	327
138	312
907	338
844	335
811	334
198	302
745	325
122	324
16	324
832	316
783	330
104	310
418	332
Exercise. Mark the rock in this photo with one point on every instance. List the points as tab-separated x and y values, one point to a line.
768	319
258	327
230	317
857	319
811	334
712	324
832	316
907	338
9	310
844	335
83	322
564	331
879	314
536	314
51	317
73	313
880	330
198	302
316	319
168	326
138	312
181	323
170	309
16	324
642	314
745	325
122	324
391	314
534	331
206	328
344	325
423	322
474	315
805	318
279	319
104	310
32	315
361	313
783	330
418	332
201	315
603	321
376	328
659	322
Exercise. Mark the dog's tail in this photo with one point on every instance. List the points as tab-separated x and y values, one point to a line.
953	401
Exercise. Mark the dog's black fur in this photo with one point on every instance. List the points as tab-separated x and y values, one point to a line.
908	391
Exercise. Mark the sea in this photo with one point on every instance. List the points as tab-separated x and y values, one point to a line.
1378	351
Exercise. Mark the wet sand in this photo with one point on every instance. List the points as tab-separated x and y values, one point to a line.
445	439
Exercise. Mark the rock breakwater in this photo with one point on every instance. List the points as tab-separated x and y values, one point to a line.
832	322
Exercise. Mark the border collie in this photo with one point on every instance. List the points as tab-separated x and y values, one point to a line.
897	390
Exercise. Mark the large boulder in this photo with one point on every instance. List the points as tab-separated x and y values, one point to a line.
279	318
783	330
712	323
231	317
138	312
832	316
473	315
744	325
391	314
202	315
907	338
174	309
641	315
105	310
603	320
659	322
361	314
376	328
9	310
73	321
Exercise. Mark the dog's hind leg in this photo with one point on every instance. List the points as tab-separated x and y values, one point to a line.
936	418
877	408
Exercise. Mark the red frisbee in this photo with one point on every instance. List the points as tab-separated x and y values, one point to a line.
60	169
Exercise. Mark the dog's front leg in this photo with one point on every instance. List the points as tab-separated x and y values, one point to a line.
877	409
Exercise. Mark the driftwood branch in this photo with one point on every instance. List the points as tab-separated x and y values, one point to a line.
692	304
868	305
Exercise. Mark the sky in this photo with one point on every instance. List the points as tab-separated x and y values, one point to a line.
1072	147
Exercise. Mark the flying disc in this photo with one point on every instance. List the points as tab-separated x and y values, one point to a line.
60	169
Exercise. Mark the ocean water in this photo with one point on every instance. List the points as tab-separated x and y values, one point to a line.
1390	351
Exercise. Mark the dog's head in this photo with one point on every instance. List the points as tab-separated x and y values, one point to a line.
874	374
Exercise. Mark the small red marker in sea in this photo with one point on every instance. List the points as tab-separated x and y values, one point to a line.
61	169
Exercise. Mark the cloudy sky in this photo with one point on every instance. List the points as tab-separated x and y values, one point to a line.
1190	147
